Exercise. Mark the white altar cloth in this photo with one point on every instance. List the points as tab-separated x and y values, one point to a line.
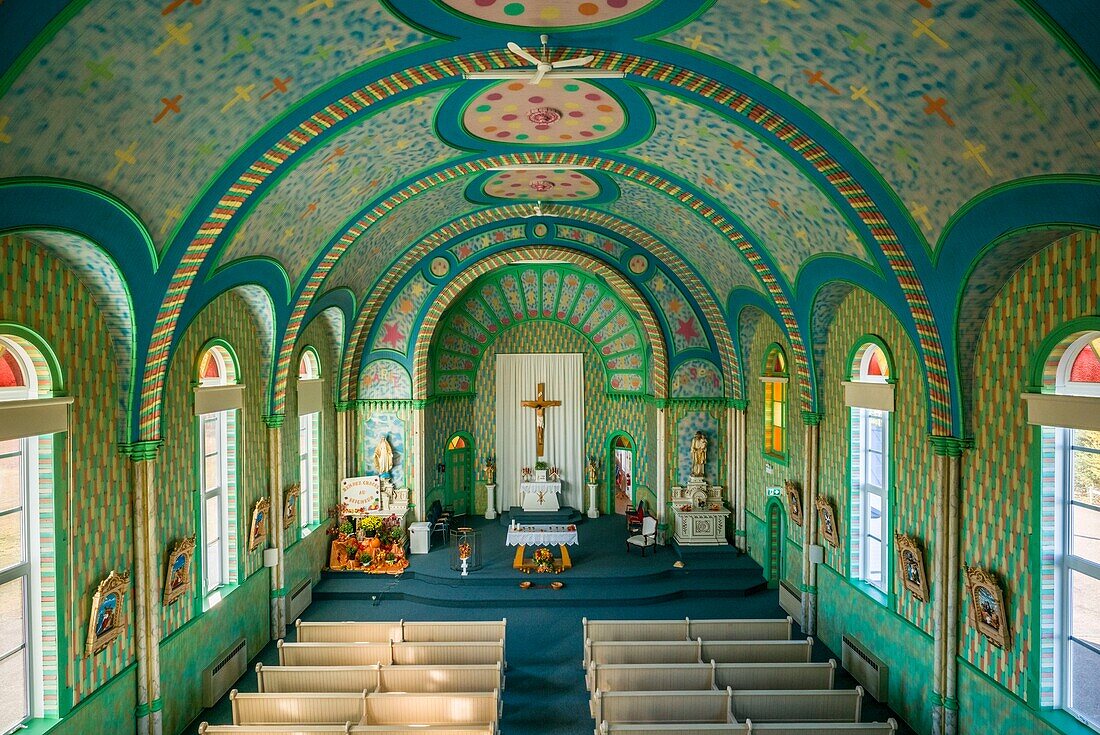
540	495
542	536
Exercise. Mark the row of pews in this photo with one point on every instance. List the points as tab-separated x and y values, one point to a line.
384	678
716	677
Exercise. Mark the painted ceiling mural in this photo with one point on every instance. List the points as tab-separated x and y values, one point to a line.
306	207
764	189
945	99
268	129
167	92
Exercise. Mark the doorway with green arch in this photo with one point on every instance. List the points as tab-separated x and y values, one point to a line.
619	494
459	485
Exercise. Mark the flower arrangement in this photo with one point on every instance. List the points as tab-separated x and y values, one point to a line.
370	525
544	560
464	550
347	527
390	530
541	465
364	557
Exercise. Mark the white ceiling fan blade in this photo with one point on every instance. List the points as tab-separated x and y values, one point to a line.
516	49
579	61
543	68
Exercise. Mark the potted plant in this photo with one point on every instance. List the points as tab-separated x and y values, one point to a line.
364	558
347	527
541	468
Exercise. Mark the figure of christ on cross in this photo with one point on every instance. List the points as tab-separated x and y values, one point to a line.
540	404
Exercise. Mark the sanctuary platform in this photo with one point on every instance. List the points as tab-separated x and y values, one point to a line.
603	574
562	516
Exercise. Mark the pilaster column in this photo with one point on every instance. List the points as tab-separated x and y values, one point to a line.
948	452
147	584
344	438
738	449
419	469
662	462
811	421
274	423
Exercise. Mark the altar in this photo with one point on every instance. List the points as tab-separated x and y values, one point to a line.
541	535
540	495
699	513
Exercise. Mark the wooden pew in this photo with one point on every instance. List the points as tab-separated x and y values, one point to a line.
666	707
793	705
741	630
348	632
413	679
803	728
746	652
386	654
467	708
331	708
643	652
454	631
665	677
775	675
312	708
208	729
334	654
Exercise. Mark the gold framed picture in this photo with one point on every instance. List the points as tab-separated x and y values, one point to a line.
987	606
107	620
794	501
257	535
290	505
911	566
826	521
177	580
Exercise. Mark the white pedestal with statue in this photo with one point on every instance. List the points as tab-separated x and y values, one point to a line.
490	501
544	496
593	511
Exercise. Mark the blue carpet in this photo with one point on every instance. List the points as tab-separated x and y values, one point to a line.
545	683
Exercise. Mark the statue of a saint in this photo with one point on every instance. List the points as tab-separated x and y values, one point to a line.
383	457
698	454
490	470
593	469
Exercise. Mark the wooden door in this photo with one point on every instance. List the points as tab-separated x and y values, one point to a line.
459	475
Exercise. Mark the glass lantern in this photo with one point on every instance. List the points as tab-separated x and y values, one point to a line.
466	550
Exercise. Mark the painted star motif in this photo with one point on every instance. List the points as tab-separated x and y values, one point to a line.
687	329
392	335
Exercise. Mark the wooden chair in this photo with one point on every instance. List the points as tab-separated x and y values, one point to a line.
647	537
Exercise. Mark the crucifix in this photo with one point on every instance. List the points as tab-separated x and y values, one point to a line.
540	405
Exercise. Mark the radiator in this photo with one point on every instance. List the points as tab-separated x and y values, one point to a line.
865	667
791	602
300	598
220	676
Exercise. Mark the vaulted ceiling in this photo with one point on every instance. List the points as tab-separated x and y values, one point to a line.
328	157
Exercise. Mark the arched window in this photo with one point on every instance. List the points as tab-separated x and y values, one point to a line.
775	379
1076	470
27	591
870	398
309	436
217	408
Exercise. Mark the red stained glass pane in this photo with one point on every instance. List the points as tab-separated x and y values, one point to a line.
1086	368
11	374
209	367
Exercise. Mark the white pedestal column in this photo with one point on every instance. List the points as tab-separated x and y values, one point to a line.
593	512
491	501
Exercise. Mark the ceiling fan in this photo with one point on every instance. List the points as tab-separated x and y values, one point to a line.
546	68
537	211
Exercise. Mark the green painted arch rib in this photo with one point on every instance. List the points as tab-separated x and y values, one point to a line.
490	306
624	290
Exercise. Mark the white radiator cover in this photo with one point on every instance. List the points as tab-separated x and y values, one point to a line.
865	667
300	598
791	602
223	672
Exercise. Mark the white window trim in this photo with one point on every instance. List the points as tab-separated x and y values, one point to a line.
865	491
309	480
222	493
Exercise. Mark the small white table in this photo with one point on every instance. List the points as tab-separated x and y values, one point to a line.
541	495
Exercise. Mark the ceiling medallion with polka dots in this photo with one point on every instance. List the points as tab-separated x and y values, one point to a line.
555	111
547	13
559	185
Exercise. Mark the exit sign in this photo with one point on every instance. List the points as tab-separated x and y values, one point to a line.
775	492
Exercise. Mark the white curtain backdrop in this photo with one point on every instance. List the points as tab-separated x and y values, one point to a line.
517	379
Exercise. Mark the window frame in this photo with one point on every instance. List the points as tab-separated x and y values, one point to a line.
1066	561
776	381
220	492
309	468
